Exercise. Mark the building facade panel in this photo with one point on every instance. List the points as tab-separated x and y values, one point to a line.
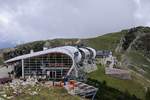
53	65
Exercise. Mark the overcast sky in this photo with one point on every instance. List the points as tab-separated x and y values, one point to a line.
28	20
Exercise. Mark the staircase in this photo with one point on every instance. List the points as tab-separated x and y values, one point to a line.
83	90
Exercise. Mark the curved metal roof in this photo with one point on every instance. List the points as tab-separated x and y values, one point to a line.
86	52
93	50
69	50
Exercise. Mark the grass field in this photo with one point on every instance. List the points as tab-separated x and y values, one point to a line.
132	86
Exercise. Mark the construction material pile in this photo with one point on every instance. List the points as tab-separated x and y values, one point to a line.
17	87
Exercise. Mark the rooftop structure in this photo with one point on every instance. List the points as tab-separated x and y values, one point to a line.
103	53
118	73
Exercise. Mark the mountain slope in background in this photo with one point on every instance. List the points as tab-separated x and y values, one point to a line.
130	46
135	49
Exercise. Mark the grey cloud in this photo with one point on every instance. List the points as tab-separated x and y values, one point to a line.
28	20
142	14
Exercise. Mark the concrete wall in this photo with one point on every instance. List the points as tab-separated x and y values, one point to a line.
4	71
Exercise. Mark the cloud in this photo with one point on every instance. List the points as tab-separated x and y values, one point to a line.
142	14
29	20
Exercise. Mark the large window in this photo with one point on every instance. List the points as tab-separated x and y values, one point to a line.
40	65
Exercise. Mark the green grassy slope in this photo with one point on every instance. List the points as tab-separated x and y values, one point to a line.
132	86
139	62
138	83
105	42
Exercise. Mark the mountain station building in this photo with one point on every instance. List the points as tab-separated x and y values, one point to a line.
55	63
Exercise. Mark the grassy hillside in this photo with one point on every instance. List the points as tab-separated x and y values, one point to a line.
133	57
135	46
105	42
138	63
132	86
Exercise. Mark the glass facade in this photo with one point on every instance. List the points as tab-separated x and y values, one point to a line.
52	65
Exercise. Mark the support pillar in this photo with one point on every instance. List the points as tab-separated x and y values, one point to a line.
93	98
22	62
